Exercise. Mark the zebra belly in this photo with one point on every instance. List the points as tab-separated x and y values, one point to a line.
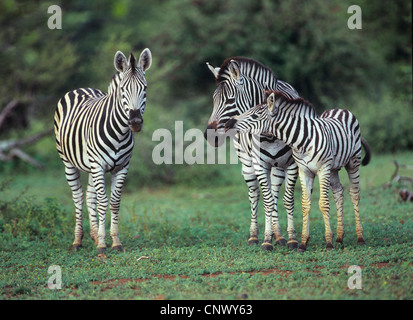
266	150
310	160
85	153
276	153
110	160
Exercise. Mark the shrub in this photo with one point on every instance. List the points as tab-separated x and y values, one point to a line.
23	217
385	124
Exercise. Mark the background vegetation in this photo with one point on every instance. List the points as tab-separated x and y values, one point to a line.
192	221
306	44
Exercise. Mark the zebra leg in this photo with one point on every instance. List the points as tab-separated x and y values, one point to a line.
98	176
307	181
324	204
254	197
288	200
338	194
91	205
73	179
271	215
353	174
277	179
118	180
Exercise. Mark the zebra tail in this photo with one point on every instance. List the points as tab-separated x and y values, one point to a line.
367	156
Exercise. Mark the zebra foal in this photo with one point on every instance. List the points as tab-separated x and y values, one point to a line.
94	134
321	146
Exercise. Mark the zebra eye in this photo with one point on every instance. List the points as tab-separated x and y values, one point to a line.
254	116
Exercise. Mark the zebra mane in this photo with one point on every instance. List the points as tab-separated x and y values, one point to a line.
296	101
245	65
114	83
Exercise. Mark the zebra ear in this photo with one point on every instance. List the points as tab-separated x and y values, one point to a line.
271	102
145	60
214	70
120	62
234	69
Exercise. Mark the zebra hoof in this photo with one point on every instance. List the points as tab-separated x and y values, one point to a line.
101	250
301	248
339	240
329	246
252	241
361	242
280	242
76	247
118	248
94	237
293	244
267	246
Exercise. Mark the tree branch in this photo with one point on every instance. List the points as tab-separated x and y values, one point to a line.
10	149
7	109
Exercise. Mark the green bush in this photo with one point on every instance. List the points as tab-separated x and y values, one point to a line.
24	218
385	124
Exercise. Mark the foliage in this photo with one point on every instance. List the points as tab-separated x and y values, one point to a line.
32	56
22	217
302	49
307	44
386	123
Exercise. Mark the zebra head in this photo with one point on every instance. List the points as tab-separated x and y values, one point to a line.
132	86
237	91
259	119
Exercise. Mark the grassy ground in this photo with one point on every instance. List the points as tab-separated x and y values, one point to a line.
191	243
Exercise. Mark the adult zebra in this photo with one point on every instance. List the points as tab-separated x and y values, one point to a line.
94	134
240	86
321	146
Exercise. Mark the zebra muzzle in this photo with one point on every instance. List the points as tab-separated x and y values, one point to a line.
215	137
230	124
135	121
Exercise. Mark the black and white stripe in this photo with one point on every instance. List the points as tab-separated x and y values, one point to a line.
321	146
241	83
94	134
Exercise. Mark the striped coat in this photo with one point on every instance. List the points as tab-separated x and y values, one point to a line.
240	86
321	146
94	134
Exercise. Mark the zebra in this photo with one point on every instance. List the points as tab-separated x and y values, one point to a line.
321	146
94	134
241	82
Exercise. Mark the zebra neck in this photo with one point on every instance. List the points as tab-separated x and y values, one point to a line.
248	100
295	128
114	83
118	116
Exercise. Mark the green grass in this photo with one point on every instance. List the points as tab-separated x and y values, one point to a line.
196	242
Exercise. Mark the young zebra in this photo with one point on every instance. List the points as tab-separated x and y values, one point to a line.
94	134
320	145
240	86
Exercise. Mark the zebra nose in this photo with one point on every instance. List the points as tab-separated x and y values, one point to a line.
135	117
230	124
135	120
211	126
